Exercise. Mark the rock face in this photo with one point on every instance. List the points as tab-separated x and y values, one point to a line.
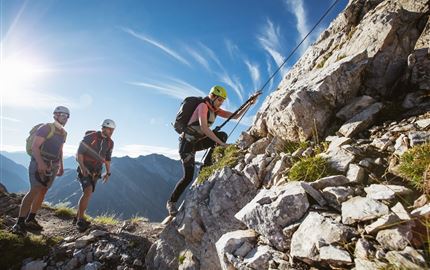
317	232
361	209
363	51
363	88
272	210
209	213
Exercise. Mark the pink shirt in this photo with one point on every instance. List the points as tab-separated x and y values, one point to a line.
202	111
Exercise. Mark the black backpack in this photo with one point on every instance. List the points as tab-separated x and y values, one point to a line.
188	106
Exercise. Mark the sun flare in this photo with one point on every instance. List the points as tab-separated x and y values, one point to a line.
19	74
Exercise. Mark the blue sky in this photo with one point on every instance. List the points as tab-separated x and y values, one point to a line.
134	61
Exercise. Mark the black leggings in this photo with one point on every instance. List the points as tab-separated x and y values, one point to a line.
187	151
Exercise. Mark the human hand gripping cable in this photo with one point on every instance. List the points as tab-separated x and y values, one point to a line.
107	173
106	177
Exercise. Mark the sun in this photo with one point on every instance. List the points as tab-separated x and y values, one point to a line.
19	74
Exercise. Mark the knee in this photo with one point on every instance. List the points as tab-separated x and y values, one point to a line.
35	191
188	160
43	191
88	191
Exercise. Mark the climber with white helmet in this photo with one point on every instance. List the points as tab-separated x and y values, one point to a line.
193	123
94	150
45	146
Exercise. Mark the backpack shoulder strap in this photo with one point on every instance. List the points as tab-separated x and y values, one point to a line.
94	137
51	131
110	143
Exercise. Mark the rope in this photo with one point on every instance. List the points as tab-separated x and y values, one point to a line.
259	92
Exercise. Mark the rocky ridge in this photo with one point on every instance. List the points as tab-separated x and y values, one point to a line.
360	97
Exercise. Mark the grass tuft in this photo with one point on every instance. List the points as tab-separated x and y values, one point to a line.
413	166
291	147
62	210
14	249
106	219
309	169
222	157
137	219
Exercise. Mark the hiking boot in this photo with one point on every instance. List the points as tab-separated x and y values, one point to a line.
19	229
75	220
33	225
83	225
171	208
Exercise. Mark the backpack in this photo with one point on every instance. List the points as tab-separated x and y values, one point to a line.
30	138
95	139
188	106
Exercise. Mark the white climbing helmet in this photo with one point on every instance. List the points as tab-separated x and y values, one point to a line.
61	109
109	123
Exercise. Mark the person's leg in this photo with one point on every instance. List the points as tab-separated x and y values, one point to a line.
35	188
27	202
38	200
31	221
187	157
208	143
183	182
83	201
82	207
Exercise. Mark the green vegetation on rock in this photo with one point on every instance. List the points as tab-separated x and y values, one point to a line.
14	249
309	169
413	165
222	157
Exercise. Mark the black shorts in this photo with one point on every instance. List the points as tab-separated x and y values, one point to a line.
89	180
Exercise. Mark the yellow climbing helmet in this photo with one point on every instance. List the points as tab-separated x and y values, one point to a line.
219	91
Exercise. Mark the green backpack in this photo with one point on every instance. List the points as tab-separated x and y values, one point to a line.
30	138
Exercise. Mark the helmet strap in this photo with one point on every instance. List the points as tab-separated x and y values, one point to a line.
212	101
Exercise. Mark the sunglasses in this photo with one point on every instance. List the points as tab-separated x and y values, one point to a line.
63	114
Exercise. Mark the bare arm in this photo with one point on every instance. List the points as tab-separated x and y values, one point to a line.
107	174
206	130
227	114
84	169
61	169
107	164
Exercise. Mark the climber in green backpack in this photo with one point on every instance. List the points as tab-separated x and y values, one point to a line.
45	146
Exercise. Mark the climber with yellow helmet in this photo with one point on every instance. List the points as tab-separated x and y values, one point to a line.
193	123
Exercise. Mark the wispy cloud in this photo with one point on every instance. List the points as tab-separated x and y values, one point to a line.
10	119
212	55
233	49
32	99
207	58
199	58
233	82
254	72
157	44
37	99
296	7
269	39
176	88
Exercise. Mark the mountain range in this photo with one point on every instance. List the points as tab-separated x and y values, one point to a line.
13	176
138	186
